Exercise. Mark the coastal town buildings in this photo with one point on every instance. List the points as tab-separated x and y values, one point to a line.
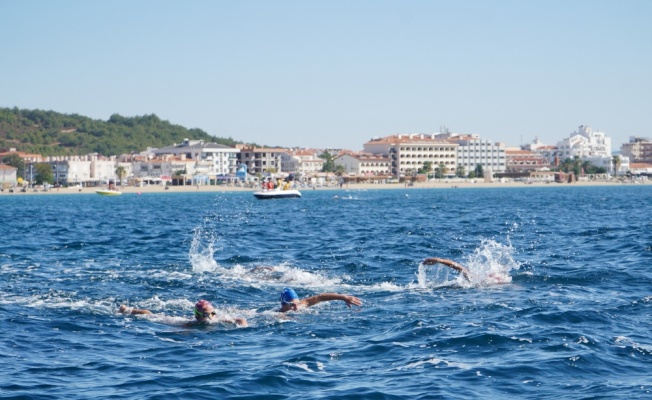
260	159
408	153
7	175
365	164
210	158
547	152
301	161
396	156
521	161
589	145
638	149
585	143
473	151
640	169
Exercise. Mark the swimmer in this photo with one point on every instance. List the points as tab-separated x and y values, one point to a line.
449	263
203	310
290	301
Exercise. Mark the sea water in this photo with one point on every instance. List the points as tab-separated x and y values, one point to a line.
558	306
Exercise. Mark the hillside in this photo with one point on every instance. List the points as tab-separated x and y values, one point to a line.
51	133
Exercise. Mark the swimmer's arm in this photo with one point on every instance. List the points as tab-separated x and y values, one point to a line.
349	300
236	321
135	311
449	263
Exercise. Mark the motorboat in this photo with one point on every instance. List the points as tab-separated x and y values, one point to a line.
277	193
108	192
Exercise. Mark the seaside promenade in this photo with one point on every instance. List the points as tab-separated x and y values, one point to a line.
351	186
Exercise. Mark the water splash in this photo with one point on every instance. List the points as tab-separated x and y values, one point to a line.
202	250
489	264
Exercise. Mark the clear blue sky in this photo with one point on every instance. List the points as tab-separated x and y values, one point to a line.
337	73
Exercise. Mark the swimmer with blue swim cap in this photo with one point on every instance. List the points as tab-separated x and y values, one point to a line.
290	301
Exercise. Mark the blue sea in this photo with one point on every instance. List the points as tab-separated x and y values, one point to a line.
559	304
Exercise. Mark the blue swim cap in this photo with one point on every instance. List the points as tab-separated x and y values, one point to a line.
288	295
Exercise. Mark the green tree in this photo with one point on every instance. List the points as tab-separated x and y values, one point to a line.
340	170
617	162
577	165
459	171
121	172
15	161
566	165
479	172
329	163
43	173
426	168
440	171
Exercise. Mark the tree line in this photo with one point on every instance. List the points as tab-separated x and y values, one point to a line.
51	133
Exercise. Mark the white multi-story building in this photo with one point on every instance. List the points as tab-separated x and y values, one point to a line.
365	164
473	151
585	143
409	152
210	158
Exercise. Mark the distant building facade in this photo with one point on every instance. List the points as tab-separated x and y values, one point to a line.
408	152
301	161
639	150
365	164
261	159
210	158
585	143
521	161
473	151
8	176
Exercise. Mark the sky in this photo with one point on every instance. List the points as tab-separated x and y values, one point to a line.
337	73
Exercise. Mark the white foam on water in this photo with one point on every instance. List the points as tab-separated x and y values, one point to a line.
489	265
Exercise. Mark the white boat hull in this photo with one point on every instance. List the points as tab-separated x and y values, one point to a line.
277	194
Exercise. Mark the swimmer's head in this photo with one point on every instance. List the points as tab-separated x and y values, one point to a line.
204	310
288	296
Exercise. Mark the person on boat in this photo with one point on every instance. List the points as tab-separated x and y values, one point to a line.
203	311
449	263
290	301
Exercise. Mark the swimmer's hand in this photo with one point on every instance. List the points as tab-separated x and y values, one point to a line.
352	300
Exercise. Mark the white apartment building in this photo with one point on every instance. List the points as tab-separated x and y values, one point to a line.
473	151
90	170
409	152
210	158
585	143
160	168
365	164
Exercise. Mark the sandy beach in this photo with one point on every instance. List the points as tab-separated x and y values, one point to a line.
351	186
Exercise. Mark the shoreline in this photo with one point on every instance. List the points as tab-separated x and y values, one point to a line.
345	187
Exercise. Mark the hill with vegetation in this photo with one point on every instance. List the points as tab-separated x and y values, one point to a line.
51	133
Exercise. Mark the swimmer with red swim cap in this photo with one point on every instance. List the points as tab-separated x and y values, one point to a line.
203	311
